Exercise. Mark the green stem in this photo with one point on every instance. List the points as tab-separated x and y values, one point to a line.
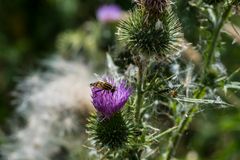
170	130
183	125
139	93
216	34
187	118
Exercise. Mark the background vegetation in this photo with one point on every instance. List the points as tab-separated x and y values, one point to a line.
31	31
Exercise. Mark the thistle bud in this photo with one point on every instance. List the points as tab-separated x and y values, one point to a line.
154	6
150	36
111	133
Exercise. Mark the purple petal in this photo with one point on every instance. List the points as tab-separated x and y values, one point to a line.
109	13
106	102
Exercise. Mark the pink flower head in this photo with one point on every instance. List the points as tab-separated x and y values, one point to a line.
106	102
109	13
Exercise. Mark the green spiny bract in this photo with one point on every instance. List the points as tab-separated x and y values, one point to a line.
154	6
110	133
150	36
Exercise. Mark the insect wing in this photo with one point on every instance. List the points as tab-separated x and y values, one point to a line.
98	77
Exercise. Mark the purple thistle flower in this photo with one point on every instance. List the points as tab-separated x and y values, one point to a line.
109	13
106	102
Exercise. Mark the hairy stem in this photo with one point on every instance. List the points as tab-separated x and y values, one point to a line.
139	92
219	25
183	125
170	130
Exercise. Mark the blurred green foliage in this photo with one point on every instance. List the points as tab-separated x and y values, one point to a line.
28	31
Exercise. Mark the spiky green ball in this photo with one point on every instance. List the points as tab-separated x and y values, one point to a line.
113	133
150	36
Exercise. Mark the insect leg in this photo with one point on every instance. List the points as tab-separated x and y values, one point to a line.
97	91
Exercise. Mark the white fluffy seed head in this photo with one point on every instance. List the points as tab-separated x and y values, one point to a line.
51	103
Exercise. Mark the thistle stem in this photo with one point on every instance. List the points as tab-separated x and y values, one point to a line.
216	34
170	130
139	92
183	125
188	117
